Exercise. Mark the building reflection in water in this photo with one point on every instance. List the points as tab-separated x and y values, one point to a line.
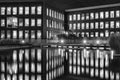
27	63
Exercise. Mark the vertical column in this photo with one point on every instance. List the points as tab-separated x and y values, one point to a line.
66	63
43	63
43	36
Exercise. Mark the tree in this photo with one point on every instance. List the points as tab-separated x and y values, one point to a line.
114	42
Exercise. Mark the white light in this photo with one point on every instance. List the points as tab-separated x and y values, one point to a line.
23	41
97	41
62	41
84	41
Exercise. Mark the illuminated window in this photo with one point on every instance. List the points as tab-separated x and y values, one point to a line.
55	14
74	70
26	67
39	68
91	25
20	10
32	77
74	26
2	22
87	16
39	10
117	24
106	33
96	34
87	34
8	10
20	55
70	26
39	54
96	15
20	34
14	34
39	21
14	10
112	14
2	10
106	14
101	25
32	34
26	10
26	77
32	54
21	77
2	34
112	24
117	13
38	34
74	17
70	17
78	17
106	24
20	22
83	17
8	77
101	34
96	25
82	34
91	15
26	54
32	67
14	55
8	34
33	9
32	22
14	77
2	77
83	26
2	66
91	34
78	26
26	22
39	77
70	69
26	34
101	15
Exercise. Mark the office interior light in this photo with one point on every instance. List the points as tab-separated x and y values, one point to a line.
84	41
62	41
97	41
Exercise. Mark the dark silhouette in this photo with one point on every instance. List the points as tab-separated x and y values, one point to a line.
114	43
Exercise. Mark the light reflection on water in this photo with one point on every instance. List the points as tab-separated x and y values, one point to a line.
25	64
81	61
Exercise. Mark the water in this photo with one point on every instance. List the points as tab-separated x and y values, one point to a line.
37	63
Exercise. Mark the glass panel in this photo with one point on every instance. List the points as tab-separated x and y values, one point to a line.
20	10
111	14
2	10
8	10
32	22
33	8
38	34
26	10
39	10
14	10
39	22
26	22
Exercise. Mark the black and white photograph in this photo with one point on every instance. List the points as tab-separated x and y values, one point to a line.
59	39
